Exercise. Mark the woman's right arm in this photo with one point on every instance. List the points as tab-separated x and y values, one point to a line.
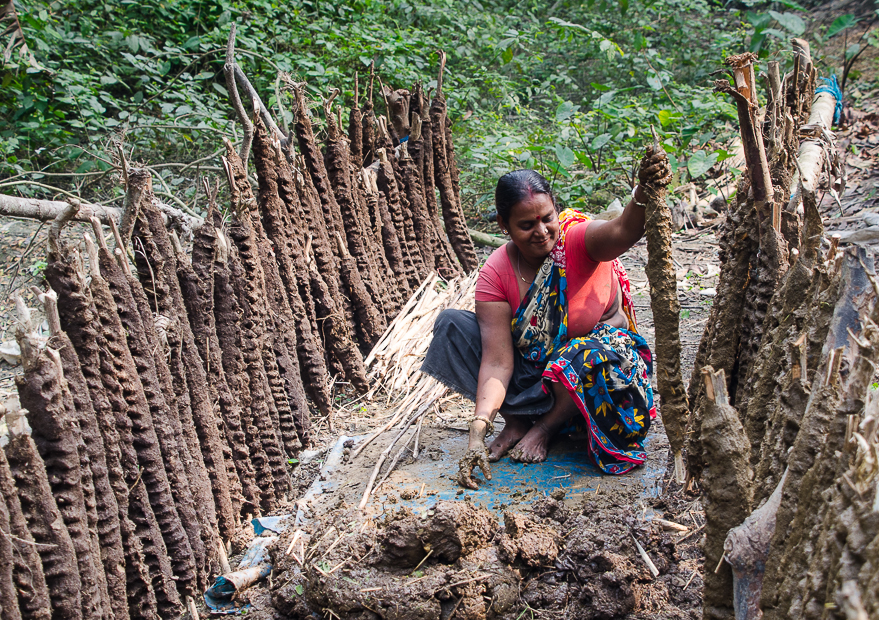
495	371
496	367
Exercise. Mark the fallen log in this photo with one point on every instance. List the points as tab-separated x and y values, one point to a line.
45	210
484	239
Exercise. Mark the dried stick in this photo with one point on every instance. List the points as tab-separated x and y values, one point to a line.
401	451
384	455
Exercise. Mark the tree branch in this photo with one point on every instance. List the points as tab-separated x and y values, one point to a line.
235	98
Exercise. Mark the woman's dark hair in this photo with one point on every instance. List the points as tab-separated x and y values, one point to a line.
516	186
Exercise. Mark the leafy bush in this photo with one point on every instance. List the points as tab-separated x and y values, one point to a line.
570	88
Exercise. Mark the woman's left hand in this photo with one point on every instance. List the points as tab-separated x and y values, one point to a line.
655	171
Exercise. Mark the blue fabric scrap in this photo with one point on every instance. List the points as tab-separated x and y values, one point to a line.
832	86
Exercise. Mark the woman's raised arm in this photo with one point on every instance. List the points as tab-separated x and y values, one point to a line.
606	241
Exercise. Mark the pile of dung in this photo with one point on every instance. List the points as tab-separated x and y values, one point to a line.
459	560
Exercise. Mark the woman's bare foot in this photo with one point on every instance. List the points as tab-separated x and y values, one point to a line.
514	429
533	447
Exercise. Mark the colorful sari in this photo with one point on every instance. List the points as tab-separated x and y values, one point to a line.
606	372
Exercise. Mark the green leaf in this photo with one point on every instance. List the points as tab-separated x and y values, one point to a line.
85	166
600	141
220	89
654	82
665	117
700	162
583	158
852	51
775	32
192	42
564	111
299	589
758	20
841	23
605	98
507	55
791	22
600	87
558	169
565	155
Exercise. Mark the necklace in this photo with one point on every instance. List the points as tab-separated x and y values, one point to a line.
518	268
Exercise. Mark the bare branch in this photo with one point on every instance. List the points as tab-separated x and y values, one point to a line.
61	221
139	181
235	98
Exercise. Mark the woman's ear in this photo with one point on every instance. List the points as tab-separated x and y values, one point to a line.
502	225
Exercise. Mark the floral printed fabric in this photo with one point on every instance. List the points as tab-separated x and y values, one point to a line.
606	372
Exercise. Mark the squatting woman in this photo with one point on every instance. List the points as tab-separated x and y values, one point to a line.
553	342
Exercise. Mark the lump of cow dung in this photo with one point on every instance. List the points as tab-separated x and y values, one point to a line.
533	544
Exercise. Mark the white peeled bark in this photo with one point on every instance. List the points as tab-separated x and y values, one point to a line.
811	154
46	210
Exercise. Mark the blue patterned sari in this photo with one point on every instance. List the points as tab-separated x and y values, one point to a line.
606	372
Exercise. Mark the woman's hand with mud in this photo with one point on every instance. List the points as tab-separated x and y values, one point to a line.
654	171
475	457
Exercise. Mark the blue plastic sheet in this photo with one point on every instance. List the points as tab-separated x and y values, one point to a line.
276	524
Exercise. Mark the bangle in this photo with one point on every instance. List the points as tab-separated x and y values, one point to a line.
488	423
635	200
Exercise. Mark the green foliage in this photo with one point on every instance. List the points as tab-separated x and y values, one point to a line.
569	88
843	22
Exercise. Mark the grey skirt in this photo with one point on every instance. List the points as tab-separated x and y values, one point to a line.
455	355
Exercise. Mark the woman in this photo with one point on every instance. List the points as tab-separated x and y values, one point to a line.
553	339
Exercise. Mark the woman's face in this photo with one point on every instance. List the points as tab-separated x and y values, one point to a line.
533	226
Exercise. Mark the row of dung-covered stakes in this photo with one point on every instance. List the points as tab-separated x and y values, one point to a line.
173	389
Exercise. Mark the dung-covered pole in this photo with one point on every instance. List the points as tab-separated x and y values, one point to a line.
666	317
